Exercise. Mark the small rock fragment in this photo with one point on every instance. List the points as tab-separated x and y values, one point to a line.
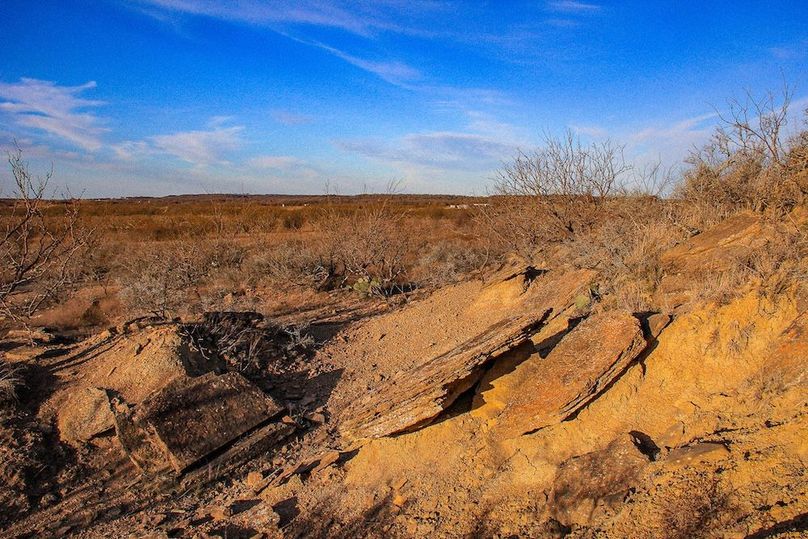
656	323
399	483
316	418
254	479
326	460
221	512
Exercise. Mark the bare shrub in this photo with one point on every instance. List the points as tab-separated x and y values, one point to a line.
773	268
797	157
626	249
781	261
10	382
749	163
164	279
38	244
448	262
513	225
294	262
701	507
721	287
169	279
555	192
367	244
626	243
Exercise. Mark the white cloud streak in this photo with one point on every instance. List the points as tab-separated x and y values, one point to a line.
278	162
572	6
200	147
268	13
594	131
57	110
197	147
352	18
446	150
394	72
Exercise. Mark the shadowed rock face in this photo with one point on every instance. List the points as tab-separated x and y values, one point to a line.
592	484
415	397
548	391
130	365
191	418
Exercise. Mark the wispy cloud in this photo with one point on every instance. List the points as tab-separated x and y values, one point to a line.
562	23
571	6
281	15
130	149
309	12
284	166
446	160
439	150
359	18
670	143
393	72
594	131
793	51
687	129
198	147
57	110
275	162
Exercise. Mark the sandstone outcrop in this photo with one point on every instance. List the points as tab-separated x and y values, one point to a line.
547	391
130	366
191	418
86	414
416	396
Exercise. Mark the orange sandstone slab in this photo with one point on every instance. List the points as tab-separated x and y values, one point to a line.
415	396
588	359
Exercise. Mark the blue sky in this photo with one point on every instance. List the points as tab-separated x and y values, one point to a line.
154	97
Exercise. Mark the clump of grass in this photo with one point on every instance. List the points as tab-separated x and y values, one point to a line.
448	262
10	382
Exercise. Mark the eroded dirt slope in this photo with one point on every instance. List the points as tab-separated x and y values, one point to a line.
514	406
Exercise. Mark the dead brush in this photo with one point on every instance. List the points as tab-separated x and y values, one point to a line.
449	262
248	344
700	507
40	243
625	250
169	279
749	163
367	244
781	262
11	381
721	287
165	281
295	262
776	267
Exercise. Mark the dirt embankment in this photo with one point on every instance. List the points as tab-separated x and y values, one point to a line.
514	406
